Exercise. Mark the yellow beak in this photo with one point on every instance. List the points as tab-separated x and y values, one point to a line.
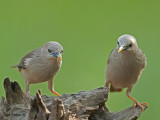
59	58
120	49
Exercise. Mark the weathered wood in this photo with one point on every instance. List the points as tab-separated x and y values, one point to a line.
85	105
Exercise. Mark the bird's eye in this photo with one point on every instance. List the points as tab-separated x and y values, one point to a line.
130	45
62	51
49	50
118	43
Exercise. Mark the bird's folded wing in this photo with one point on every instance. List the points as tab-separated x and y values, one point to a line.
28	56
109	58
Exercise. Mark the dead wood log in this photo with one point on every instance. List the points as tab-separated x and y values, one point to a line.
85	105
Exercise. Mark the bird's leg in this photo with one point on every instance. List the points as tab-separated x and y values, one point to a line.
50	84
27	88
136	103
107	83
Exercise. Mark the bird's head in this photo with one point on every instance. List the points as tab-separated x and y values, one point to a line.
126	42
53	50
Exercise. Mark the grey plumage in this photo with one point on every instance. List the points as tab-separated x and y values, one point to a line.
40	65
125	65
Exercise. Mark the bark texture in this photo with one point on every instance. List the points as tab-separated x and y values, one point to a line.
85	105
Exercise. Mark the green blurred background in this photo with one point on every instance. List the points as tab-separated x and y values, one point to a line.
88	31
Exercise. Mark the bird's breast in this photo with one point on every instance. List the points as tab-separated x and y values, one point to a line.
123	71
41	71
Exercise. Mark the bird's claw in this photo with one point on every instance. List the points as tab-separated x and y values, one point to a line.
140	105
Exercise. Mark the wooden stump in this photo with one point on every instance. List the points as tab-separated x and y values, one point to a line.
85	105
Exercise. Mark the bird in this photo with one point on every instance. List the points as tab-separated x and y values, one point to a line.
41	65
124	67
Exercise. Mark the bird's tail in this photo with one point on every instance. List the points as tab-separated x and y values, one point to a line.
14	66
112	89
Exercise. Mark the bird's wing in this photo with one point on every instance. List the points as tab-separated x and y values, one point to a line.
143	59
28	56
22	62
109	58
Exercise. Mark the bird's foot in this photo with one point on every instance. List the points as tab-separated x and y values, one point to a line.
55	93
136	103
140	105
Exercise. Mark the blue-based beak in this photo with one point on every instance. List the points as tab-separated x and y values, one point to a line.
56	55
